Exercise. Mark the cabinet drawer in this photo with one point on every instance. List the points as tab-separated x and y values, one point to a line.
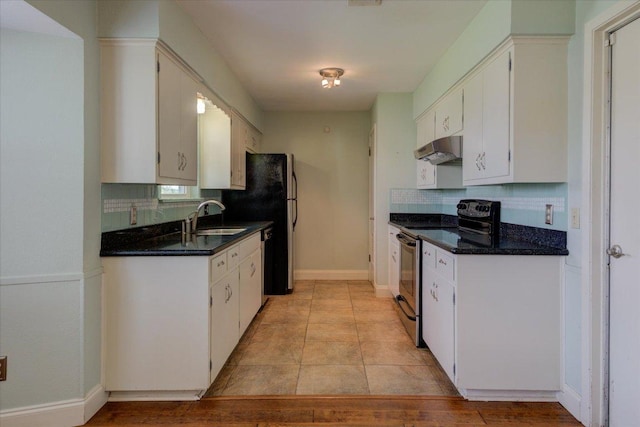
248	246
233	257
218	266
445	264
428	255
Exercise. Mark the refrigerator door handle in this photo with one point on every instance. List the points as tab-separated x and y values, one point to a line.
295	181
295	217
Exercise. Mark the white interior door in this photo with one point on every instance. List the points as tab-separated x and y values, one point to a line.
624	270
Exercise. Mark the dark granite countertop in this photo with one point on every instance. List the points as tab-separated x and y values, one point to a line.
513	239
167	240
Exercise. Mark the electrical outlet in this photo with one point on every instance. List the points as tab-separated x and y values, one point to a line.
575	218
133	215
3	368
548	214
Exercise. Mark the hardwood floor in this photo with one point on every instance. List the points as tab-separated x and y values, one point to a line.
330	406
333	411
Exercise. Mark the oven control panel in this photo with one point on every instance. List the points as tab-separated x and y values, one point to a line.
474	208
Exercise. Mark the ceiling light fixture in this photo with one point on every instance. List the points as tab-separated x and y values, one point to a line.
331	77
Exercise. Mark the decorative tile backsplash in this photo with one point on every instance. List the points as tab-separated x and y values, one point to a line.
521	203
117	200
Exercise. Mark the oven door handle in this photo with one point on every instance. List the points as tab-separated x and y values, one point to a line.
409	316
406	241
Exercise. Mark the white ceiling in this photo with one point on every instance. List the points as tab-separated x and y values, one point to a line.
277	47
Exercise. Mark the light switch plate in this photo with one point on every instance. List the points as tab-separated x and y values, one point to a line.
133	215
548	214
575	217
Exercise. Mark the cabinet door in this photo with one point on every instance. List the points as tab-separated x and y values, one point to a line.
238	148
250	288
429	309
426	128
449	115
495	123
426	174
169	118
472	150
189	127
443	339
224	321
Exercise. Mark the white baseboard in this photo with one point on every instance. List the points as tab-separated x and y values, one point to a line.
155	396
571	401
509	395
74	412
95	400
331	275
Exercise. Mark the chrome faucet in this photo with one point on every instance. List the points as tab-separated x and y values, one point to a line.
190	224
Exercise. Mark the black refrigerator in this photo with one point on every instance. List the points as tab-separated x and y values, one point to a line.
271	195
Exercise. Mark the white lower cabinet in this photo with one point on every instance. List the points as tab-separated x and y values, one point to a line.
250	283
225	310
493	322
394	261
171	322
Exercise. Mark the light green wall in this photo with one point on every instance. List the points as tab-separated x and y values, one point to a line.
166	20
490	27
395	165
493	24
331	163
41	219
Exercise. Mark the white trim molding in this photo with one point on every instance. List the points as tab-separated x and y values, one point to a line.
331	275
593	403
50	278
65	413
571	400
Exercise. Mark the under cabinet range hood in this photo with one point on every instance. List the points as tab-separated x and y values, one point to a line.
441	150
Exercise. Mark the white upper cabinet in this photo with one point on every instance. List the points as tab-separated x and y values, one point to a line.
448	115
214	139
148	113
515	114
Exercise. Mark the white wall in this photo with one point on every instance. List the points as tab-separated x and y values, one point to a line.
332	170
395	166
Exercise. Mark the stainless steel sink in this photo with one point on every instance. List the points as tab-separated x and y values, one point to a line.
220	231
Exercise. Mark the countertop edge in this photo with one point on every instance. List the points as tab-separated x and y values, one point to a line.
131	252
539	249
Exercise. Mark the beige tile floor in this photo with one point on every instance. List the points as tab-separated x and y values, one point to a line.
329	338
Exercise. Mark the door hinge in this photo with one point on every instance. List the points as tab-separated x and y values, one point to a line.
210	364
454	369
158	62
210	301
369	257
158	157
454	299
509	155
369	151
610	40
509	62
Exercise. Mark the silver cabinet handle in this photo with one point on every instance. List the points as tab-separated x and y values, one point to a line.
482	161
615	251
179	160
221	263
253	269
477	160
393	258
441	261
184	161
